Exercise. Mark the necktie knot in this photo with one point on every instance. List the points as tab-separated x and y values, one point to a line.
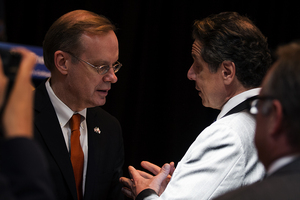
75	122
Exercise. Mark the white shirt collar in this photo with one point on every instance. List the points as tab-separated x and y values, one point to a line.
234	101
279	163
63	112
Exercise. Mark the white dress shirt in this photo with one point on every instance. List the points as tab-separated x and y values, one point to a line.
64	114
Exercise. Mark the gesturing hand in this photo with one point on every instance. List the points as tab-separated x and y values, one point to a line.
141	181
155	170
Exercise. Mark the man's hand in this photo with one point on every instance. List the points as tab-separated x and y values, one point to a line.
141	181
155	170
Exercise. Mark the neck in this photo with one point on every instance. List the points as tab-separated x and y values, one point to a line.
233	91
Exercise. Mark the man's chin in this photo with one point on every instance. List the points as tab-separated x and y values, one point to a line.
102	102
97	103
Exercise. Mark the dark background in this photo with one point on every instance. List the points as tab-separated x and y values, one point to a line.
158	107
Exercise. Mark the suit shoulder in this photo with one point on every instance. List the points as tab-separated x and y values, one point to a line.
100	112
276	187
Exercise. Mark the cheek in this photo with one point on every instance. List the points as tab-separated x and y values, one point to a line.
259	137
205	85
199	79
89	85
83	83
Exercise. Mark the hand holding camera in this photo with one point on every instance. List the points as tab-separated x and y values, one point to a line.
17	116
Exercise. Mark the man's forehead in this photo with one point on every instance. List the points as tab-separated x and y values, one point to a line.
196	49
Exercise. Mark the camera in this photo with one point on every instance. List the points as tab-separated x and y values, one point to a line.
11	62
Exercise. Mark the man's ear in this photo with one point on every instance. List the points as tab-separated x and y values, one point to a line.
60	62
228	71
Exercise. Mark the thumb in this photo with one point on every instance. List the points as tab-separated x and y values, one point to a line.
162	175
165	170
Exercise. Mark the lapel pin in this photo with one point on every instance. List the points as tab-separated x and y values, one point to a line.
97	130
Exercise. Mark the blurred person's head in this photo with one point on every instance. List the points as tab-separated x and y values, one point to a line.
278	127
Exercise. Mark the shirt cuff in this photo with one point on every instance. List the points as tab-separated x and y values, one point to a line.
145	193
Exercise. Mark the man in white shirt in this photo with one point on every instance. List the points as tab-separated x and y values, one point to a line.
277	135
231	57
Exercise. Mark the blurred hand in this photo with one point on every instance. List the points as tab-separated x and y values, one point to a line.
3	84
17	117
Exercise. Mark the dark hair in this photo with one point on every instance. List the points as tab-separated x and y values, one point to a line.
65	33
284	85
230	36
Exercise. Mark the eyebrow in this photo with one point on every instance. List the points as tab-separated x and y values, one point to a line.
100	62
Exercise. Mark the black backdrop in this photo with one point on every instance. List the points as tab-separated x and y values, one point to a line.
158	107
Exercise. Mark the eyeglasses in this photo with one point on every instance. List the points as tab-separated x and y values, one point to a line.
253	103
102	69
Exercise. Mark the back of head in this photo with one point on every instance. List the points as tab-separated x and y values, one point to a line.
284	85
232	37
65	33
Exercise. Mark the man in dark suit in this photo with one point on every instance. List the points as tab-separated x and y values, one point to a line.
81	51
277	136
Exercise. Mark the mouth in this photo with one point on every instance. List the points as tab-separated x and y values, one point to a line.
103	92
199	91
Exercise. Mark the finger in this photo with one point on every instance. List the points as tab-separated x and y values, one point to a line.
27	63
133	173
164	172
145	174
172	169
160	177
150	167
127	192
126	182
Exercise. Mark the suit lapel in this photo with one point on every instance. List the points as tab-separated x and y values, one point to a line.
48	126
96	152
93	154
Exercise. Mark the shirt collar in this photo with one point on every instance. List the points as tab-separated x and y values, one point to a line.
279	163
234	101
63	112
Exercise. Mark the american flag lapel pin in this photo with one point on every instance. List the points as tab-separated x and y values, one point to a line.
97	130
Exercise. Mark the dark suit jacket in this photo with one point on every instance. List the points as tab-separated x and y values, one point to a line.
284	184
23	174
105	151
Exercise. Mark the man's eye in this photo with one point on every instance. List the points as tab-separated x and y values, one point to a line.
103	66
197	67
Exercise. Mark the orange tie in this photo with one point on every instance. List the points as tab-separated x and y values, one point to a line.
76	153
